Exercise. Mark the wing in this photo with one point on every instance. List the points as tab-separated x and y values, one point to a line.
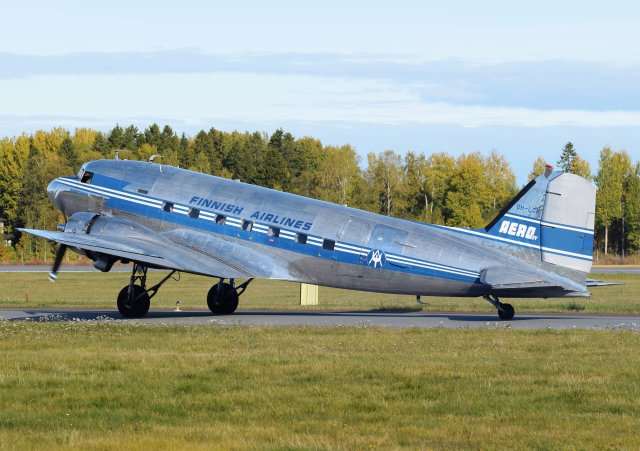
510	282
218	257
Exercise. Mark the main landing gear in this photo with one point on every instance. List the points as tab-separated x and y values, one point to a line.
223	297
505	311
134	299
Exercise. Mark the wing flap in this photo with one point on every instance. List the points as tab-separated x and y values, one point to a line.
260	263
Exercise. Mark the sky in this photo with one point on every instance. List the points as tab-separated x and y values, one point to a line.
521	79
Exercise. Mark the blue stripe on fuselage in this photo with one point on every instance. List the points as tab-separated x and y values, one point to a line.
555	240
131	205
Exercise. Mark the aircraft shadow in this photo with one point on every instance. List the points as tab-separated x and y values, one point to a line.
114	315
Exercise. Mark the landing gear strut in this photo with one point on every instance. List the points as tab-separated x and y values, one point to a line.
505	311
223	297
134	299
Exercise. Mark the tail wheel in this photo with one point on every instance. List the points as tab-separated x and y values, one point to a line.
135	306
223	299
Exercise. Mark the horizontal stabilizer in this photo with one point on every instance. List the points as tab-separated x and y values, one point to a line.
501	277
505	281
600	283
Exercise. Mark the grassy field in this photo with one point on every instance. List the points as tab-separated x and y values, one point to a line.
107	386
97	290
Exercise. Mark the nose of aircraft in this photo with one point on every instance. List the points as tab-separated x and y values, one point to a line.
52	191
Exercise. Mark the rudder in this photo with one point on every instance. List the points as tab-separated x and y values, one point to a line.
566	228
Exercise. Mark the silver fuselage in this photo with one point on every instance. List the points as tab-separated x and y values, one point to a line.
315	242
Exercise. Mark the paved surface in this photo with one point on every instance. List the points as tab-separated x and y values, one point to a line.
338	319
616	270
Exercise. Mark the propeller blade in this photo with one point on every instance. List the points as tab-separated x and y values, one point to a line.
53	275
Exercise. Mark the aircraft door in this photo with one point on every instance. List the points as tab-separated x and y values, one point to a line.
352	256
384	242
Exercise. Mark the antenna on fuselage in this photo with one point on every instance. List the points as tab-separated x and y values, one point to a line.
153	157
117	152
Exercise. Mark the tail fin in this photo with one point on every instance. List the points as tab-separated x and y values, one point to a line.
554	217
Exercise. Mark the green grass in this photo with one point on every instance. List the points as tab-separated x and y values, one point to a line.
107	386
97	290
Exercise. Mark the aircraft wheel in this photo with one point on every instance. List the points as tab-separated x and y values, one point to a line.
138	306
223	300
507	312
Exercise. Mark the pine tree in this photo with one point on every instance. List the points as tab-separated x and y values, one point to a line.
276	174
152	135
567	158
131	138
100	144
68	152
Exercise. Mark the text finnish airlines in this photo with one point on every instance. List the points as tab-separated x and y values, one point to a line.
258	215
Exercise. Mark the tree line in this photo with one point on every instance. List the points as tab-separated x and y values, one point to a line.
466	191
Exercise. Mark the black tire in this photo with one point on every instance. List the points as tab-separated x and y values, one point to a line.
223	300
139	304
507	312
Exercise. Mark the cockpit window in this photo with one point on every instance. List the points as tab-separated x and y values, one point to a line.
86	177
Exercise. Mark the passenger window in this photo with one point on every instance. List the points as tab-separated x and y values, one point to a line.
301	238
194	213
274	231
247	225
328	244
221	219
87	177
168	207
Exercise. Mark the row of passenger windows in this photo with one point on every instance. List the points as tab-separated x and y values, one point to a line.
248	226
222	219
301	238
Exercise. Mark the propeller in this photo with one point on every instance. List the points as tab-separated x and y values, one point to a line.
53	275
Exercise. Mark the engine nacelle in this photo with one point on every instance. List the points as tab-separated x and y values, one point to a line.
86	223
80	223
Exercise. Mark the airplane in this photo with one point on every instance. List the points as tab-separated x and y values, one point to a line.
159	216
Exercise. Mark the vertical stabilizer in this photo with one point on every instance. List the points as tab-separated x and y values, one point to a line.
553	216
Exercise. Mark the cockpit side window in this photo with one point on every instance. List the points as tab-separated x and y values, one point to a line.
86	177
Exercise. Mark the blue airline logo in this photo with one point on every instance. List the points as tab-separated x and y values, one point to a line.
518	230
376	258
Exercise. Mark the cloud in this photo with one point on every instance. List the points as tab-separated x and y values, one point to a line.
255	98
543	85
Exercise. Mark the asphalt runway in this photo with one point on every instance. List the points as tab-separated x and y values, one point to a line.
391	319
